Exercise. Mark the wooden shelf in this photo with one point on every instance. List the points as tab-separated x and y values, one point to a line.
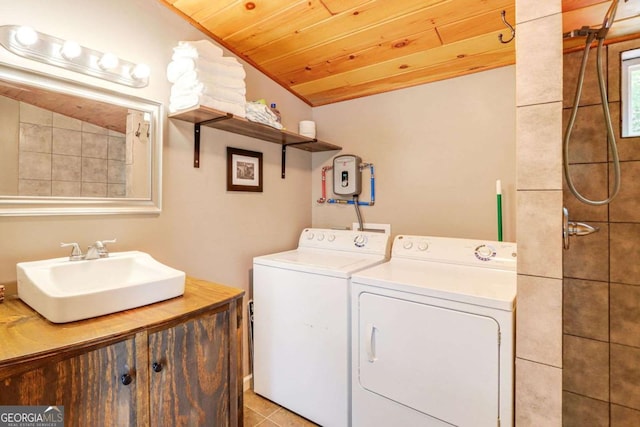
205	116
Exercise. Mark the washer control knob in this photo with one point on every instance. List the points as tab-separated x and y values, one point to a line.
320	237
310	236
485	252
331	237
407	245
360	240
423	246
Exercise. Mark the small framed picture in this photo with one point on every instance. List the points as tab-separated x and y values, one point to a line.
244	170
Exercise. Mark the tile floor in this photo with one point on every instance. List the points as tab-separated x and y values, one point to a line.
259	411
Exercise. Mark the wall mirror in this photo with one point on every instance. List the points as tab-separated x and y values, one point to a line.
72	149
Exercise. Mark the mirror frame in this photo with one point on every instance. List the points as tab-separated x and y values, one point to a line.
41	206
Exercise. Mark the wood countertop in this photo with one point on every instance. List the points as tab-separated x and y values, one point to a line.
26	336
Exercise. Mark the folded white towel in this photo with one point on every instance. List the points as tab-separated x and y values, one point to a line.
260	113
196	49
178	67
204	69
190	81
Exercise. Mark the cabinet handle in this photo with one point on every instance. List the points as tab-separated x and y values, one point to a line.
126	379
157	366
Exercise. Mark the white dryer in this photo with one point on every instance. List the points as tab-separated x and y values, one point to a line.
433	330
302	348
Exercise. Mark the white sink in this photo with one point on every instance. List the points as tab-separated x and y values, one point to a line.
65	291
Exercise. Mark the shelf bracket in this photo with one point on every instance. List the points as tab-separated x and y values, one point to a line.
196	137
284	154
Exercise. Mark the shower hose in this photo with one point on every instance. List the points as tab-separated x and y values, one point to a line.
607	118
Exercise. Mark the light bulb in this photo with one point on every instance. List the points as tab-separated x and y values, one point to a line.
70	50
26	36
108	61
140	71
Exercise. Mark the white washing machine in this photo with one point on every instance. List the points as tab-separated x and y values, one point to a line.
302	348
433	335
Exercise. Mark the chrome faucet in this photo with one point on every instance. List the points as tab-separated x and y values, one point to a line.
95	251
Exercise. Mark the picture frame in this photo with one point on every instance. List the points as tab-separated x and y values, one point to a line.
244	170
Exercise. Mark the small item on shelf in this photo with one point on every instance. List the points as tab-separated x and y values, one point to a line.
1	293
275	111
307	128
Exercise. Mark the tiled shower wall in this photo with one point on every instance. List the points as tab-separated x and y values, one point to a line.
601	286
65	157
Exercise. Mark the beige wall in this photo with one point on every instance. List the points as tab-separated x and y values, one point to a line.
203	230
438	150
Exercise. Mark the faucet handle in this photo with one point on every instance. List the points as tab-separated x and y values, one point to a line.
76	253
102	248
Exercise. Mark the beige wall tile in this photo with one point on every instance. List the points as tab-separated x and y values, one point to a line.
35	138
586	308
582	411
590	180
35	115
116	190
529	10
538	152
539	320
68	142
586	257
625	314
30	187
34	166
586	367
66	168
94	189
539	59
117	148
116	173
625	253
95	145
538	395
625	376
64	122
539	230
94	170
66	188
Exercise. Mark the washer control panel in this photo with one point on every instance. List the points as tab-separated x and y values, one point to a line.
492	254
345	240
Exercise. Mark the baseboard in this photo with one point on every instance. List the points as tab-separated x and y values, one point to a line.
247	382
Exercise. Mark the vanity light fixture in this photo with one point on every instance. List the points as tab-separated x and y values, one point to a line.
28	43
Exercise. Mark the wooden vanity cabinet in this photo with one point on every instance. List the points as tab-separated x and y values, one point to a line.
87	385
174	363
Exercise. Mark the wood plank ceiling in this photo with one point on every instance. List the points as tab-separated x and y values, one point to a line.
326	51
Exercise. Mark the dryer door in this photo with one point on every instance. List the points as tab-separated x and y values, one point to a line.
439	361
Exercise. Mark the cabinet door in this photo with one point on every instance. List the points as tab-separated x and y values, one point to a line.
190	384
89	386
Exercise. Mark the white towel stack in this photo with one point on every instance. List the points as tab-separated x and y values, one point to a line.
202	76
